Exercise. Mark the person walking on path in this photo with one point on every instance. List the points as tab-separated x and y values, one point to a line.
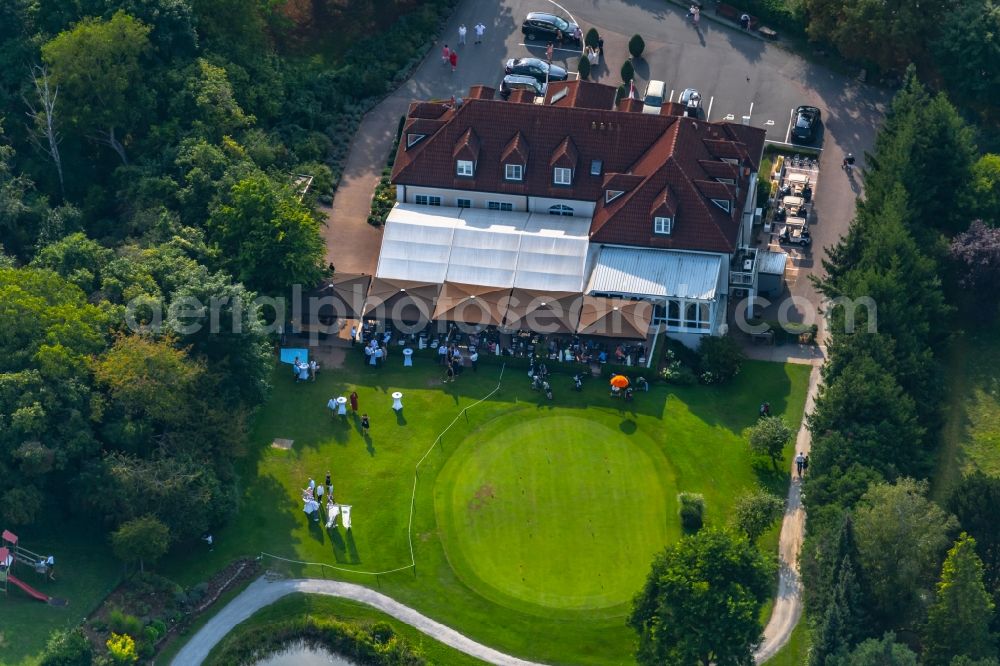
480	31
445	55
462	31
453	59
364	425
800	462
354	402
745	21
354	335
600	46
805	464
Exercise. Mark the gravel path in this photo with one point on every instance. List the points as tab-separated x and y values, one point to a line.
788	604
262	593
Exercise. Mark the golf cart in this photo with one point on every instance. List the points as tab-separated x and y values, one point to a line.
691	99
795	232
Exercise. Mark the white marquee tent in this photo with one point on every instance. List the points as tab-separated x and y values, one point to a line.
483	247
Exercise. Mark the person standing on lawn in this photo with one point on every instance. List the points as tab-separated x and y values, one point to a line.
354	403
329	486
364	425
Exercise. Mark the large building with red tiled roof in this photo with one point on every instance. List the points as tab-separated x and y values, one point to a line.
665	201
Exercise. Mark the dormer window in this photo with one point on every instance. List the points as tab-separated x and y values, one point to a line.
663	225
722	203
514	172
464	168
595	167
726	181
562	176
611	195
413	139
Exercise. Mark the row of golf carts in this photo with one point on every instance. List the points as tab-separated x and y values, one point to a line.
792	214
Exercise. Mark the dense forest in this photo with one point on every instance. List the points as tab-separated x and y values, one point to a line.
149	151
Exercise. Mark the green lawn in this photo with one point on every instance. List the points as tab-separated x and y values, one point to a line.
86	572
342	609
971	436
677	439
796	651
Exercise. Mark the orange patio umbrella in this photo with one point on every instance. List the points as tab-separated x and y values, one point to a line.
619	381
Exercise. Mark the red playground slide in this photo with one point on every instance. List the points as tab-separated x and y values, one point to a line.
30	591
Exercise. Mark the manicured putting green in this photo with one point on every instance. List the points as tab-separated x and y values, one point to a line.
558	511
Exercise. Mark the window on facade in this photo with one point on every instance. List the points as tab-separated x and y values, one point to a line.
427	200
514	171
663	225
696	315
727	181
595	167
464	167
562	176
722	203
673	313
499	205
560	209
463	203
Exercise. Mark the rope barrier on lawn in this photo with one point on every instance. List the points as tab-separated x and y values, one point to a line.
416	469
413	499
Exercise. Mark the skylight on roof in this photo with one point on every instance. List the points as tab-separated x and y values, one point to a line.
595	167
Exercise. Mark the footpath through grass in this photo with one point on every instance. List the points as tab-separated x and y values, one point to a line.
317	606
694	432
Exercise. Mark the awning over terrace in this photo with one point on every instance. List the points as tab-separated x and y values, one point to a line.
543	311
401	300
471	304
615	317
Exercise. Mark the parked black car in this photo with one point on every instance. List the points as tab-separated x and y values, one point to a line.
806	123
513	82
536	68
543	26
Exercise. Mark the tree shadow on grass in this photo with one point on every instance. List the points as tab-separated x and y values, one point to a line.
628	426
774	480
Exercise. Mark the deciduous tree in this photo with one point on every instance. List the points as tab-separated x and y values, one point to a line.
902	537
701	603
769	437
143	539
98	67
755	512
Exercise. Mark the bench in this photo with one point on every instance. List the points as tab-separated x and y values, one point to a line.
733	14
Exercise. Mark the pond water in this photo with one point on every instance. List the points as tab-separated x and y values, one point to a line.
300	654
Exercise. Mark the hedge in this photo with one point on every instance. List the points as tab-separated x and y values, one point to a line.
369	644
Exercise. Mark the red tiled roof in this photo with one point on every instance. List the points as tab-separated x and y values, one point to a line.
482	92
517	150
565	155
658	160
580	95
467	146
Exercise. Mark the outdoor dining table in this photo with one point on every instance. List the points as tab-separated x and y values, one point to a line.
407	357
397	401
342	406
